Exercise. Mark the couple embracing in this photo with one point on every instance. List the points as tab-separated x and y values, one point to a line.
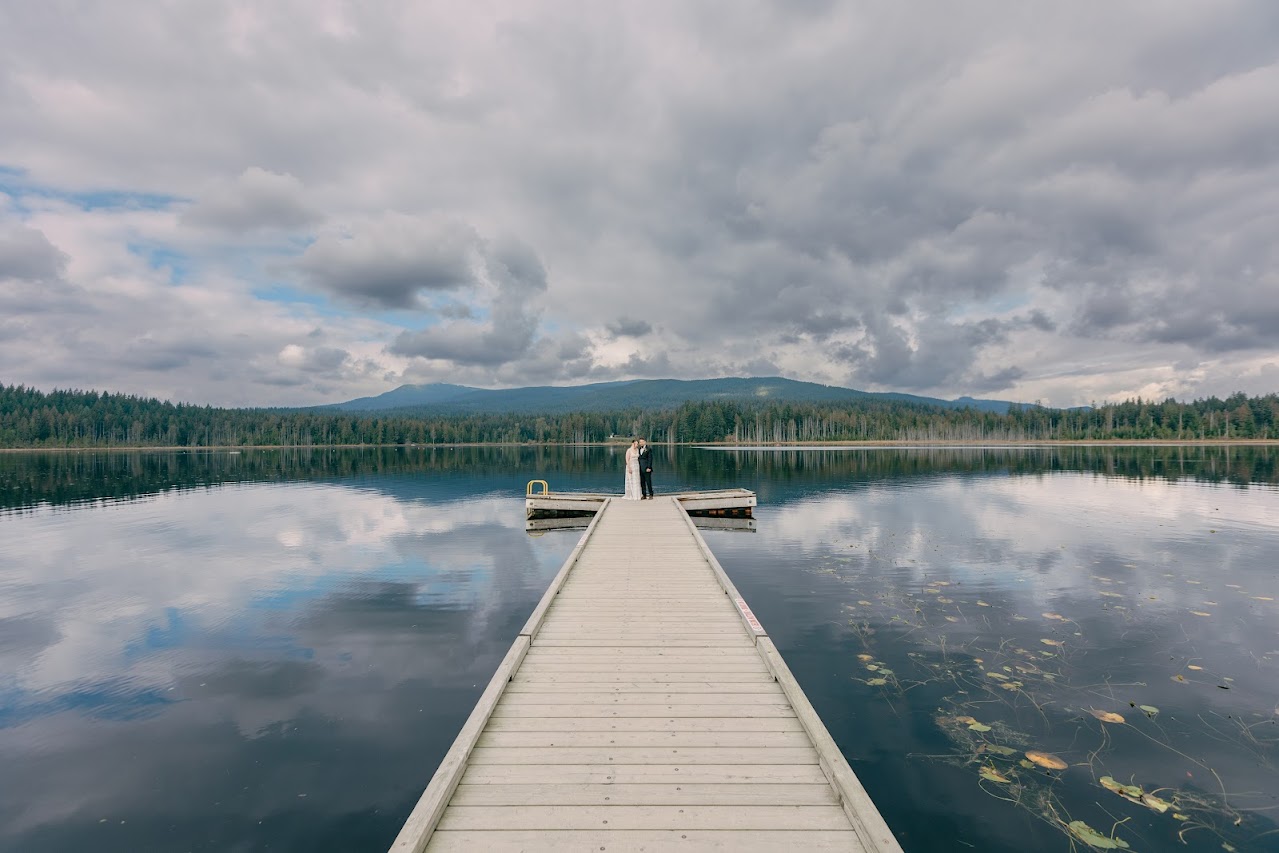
639	471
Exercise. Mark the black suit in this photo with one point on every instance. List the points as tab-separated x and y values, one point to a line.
646	471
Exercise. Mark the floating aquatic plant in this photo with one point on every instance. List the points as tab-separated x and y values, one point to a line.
1095	839
1045	759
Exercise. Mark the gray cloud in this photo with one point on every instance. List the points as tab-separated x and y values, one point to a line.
256	200
468	344
392	261
516	277
321	359
625	327
1041	321
943	355
165	355
27	255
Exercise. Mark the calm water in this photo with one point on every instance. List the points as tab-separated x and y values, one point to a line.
273	650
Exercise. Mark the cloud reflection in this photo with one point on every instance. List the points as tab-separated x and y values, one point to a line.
1122	590
193	643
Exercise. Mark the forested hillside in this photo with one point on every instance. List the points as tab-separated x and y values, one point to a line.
658	395
32	418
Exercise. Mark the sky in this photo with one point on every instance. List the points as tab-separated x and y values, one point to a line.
292	203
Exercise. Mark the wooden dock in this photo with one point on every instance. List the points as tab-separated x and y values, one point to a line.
643	707
544	503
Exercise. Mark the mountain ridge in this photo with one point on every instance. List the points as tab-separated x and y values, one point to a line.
446	398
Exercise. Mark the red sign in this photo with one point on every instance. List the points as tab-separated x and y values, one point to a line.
750	617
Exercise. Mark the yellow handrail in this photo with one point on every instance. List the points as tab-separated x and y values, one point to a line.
546	489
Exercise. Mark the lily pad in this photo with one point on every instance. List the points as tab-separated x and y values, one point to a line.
877	682
1150	710
992	775
1093	838
1047	642
979	727
1153	802
1107	716
1046	759
1132	793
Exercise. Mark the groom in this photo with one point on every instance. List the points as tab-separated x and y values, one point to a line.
646	470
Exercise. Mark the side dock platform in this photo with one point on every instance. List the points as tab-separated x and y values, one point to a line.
737	503
643	707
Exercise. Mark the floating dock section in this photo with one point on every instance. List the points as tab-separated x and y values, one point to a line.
643	707
737	503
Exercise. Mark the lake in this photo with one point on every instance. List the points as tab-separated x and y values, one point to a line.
272	650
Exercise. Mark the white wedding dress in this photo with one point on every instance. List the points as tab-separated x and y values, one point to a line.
632	490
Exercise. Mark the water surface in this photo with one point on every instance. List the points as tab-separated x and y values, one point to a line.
272	650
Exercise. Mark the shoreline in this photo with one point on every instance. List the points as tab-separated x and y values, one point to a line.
711	445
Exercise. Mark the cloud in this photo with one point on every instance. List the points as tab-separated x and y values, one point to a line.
391	261
932	199
513	277
27	255
256	200
625	327
317	359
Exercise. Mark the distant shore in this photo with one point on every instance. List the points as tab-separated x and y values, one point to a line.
780	445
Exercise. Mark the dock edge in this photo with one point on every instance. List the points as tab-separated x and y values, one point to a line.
420	826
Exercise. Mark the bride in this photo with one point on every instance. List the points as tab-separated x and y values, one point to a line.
632	492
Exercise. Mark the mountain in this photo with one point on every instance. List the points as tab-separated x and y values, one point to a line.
408	396
651	394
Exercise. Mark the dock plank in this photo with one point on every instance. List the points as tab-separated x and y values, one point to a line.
582	794
636	710
821	817
597	774
642	755
634	841
646	724
554	678
738	739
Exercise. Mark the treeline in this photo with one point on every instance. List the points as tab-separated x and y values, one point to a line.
32	418
1236	417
